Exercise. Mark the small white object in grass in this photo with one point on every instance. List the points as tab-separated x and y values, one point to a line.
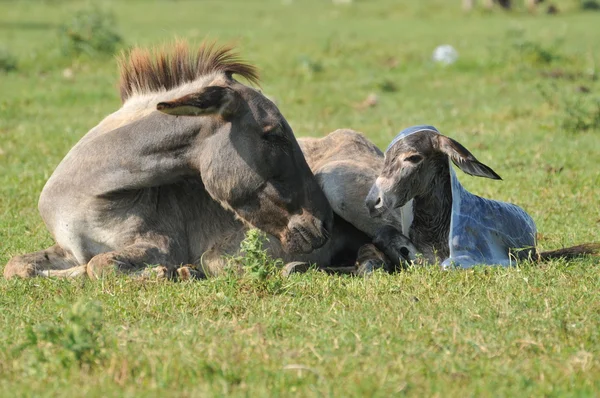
371	100
68	73
445	54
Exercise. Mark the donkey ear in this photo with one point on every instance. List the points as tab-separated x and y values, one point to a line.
463	159
211	100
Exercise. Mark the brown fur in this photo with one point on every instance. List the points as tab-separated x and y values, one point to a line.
571	252
145	70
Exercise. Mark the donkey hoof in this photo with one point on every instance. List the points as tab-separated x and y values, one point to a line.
158	272
161	272
367	267
19	269
184	273
295	267
188	272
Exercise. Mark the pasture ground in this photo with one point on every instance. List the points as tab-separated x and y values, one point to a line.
523	96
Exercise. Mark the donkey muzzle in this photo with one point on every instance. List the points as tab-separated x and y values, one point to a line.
375	202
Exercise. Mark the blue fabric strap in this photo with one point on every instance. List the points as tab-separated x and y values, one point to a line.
411	130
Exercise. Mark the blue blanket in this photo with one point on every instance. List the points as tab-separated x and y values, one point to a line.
482	231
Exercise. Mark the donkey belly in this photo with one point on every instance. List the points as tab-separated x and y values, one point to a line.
87	225
82	238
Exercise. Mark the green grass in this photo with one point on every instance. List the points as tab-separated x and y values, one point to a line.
514	97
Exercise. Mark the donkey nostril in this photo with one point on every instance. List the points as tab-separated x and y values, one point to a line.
404	251
378	203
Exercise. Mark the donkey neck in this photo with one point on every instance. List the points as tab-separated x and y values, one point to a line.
432	215
208	224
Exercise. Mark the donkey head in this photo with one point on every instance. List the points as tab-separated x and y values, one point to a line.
251	163
413	164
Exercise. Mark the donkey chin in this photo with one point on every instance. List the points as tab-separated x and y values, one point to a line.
305	234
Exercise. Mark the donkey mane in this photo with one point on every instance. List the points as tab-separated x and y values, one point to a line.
144	71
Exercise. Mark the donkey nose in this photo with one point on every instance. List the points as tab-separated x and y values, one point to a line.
375	202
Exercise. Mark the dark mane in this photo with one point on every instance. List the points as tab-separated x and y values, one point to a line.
145	70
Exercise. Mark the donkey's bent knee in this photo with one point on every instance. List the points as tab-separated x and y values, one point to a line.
132	259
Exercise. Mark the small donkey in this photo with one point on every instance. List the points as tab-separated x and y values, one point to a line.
440	217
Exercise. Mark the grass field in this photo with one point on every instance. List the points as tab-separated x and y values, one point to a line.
524	96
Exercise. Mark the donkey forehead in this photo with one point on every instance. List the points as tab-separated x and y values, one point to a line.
420	140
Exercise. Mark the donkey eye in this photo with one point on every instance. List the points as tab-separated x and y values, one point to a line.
413	158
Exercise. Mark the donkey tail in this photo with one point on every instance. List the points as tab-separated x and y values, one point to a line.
567	253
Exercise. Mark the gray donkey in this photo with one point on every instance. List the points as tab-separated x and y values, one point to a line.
186	165
442	220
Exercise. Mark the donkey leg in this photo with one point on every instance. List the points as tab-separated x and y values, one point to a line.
190	272
131	259
370	258
74	272
295	267
54	261
302	267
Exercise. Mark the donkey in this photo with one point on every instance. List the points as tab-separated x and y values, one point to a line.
444	221
190	161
